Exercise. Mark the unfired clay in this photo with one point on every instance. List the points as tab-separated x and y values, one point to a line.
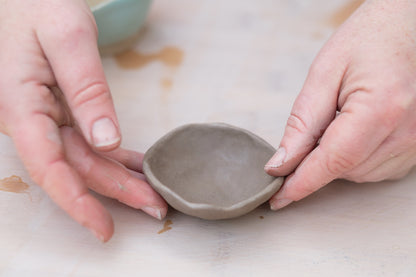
211	171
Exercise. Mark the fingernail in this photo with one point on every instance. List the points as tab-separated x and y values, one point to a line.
155	212
104	132
277	204
278	159
97	235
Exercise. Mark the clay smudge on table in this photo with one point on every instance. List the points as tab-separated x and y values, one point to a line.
131	59
344	12
318	35
166	226
166	83
261	217
13	184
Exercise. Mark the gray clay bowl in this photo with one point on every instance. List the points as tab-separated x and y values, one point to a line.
211	171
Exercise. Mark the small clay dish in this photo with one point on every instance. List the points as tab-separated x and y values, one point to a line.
211	171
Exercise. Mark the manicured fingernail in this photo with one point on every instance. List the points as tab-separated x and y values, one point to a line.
97	235
277	204
155	212
104	132
278	159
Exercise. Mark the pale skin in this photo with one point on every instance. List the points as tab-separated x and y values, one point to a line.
355	117
67	139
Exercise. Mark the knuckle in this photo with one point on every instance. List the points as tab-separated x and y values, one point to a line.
401	102
96	93
296	123
338	163
75	31
392	114
320	69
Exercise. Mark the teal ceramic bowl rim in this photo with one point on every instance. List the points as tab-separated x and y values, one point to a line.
98	6
118	20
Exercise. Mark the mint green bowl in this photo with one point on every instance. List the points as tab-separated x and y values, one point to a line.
119	21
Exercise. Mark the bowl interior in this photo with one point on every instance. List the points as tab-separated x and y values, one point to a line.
212	164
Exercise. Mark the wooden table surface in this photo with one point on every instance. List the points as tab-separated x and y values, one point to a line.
239	62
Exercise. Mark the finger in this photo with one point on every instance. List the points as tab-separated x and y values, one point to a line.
71	49
389	167
37	140
402	172
344	145
131	159
393	169
66	118
137	175
392	156
313	110
110	178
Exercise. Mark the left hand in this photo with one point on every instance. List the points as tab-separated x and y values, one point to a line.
47	44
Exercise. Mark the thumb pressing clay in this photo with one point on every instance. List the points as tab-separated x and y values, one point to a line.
211	171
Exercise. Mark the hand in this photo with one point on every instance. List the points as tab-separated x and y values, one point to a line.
47	44
355	117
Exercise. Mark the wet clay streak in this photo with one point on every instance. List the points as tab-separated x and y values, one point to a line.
13	184
132	59
166	226
261	217
166	83
344	12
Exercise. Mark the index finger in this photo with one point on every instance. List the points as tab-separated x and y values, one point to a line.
72	52
313	110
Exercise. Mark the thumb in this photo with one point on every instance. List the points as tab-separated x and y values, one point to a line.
71	49
313	110
345	145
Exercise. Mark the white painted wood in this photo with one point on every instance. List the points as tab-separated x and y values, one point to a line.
244	63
